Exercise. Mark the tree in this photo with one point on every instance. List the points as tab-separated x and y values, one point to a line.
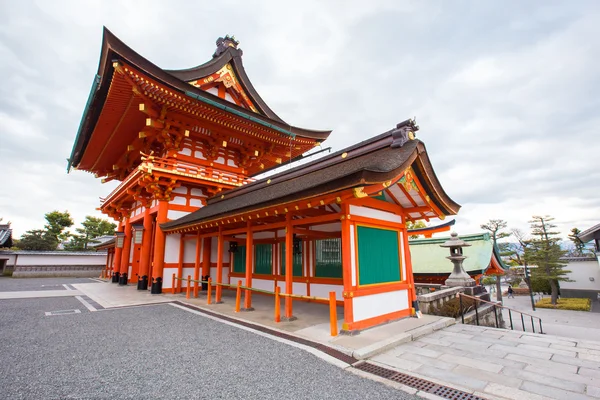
92	228
544	251
37	239
56	223
415	225
579	245
495	227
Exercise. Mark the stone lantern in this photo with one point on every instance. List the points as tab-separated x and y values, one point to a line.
458	277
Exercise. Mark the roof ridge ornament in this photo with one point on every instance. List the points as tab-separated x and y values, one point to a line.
404	132
223	43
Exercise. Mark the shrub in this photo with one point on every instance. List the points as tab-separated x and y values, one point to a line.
566	304
451	308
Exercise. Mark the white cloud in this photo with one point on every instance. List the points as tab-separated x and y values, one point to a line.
505	94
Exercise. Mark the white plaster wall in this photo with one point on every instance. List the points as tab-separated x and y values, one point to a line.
352	255
184	275
234	281
174	214
197	192
375	214
214	247
365	307
332	227
56	259
262	284
263	235
320	290
189	251
172	248
299	288
581	272
195	202
181	200
213	274
168	277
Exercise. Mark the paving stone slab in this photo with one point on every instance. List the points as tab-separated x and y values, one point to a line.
488	376
576	361
428	361
521	351
432	340
548	350
469	362
511	393
457	334
424	351
546	380
552	392
539	363
489	356
589	345
589	357
492	340
392	361
593	391
561	374
455	378
569	348
594	373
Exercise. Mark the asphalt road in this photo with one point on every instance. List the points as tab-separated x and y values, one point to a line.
154	352
26	284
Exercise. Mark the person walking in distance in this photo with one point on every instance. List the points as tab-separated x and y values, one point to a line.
510	292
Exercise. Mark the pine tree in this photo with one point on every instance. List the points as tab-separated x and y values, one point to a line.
495	227
579	245
544	251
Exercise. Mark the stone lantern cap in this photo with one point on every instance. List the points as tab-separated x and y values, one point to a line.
454	241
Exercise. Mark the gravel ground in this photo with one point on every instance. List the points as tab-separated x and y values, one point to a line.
157	352
24	284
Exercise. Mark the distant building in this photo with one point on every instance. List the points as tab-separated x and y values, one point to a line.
430	264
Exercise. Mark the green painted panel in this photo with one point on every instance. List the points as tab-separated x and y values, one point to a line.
263	259
239	260
328	257
378	256
297	264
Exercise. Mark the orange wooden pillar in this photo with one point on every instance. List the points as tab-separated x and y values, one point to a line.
249	259
117	256
347	238
410	278
197	264
158	261
126	253
206	250
146	247
219	288
289	270
180	262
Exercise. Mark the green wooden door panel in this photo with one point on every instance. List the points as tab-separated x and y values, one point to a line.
296	265
239	260
263	259
378	256
328	258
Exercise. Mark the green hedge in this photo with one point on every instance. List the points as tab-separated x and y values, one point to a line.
566	304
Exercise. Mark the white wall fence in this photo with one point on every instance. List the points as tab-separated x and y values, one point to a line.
30	264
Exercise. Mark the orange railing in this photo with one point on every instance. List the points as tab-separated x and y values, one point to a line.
238	297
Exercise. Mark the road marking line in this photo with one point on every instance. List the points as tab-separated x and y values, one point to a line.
61	312
86	304
66	286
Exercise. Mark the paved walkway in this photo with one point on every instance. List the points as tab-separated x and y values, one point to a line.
499	363
583	325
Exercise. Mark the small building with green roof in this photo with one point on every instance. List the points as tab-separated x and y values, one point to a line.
430	264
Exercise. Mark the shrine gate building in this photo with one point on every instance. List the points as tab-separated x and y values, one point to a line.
186	146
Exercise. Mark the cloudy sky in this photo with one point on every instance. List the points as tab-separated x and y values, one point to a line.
506	93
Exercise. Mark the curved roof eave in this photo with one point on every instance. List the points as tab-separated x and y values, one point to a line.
114	49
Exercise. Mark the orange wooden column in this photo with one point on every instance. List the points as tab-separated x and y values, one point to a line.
117	256
206	249
409	272
146	247
347	267
158	261
219	289
126	253
197	264
180	262
289	270
249	258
